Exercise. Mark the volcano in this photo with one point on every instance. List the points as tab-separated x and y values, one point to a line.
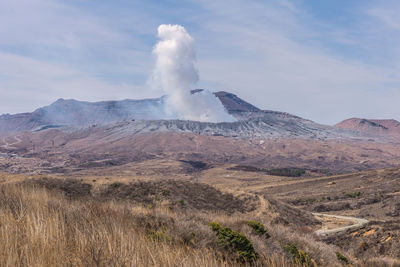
71	135
79	113
148	115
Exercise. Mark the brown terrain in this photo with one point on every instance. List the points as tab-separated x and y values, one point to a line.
55	151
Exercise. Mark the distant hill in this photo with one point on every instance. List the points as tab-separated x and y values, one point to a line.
379	127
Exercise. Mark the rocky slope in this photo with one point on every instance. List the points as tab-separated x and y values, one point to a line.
79	113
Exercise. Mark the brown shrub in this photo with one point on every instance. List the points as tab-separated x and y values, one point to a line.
179	193
71	188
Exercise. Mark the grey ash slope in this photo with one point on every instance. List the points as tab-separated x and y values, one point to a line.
79	113
267	125
143	116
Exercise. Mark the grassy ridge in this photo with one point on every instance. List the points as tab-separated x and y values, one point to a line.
41	228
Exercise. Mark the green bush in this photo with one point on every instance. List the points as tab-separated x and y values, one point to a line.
287	172
300	257
165	192
235	241
341	257
258	228
353	194
159	236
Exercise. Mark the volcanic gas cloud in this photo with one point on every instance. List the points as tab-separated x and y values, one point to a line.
176	74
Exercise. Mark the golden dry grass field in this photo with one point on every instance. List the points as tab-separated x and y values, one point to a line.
139	217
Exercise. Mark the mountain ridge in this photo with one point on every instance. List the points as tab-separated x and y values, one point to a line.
71	112
148	115
69	135
385	127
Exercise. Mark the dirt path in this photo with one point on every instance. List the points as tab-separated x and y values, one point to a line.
357	223
8	145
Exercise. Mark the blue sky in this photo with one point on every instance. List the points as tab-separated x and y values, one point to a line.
322	60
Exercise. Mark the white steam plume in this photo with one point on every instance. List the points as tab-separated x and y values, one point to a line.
176	73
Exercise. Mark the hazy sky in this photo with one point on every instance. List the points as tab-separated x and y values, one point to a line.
321	60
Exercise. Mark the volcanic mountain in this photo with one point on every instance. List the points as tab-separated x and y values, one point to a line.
148	115
71	135
78	113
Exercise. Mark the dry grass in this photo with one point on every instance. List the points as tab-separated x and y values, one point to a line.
41	228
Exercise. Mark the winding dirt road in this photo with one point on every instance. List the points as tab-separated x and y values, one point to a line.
357	223
8	145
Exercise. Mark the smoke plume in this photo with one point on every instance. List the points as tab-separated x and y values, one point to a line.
176	73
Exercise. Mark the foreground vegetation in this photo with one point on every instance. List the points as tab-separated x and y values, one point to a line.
39	227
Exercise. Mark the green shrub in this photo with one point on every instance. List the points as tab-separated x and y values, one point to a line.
181	202
165	192
159	236
258	228
341	257
234	241
353	194
287	172
301	257
304	201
